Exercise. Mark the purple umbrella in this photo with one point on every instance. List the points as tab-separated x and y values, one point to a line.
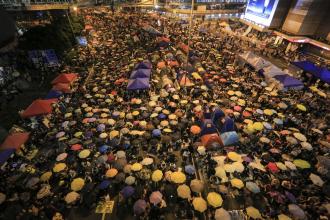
104	184
139	207
100	127
127	191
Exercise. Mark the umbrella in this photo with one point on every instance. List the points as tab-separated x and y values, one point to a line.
237	183
268	112
296	212
195	129
222	214
76	147
77	184
100	128
190	169
253	212
184	191
60	134
136	167
234	156
264	140
104	148
303	164
104	184
46	176
291	140
199	204
32	182
43	192
139	207
61	156
258	126
155	197
59	167
178	177
214	199
301	107
306	146
316	179
300	137
196	185
127	191
111	172
84	154
121	154
130	180
71	197
157	175
283	217
253	187
156	132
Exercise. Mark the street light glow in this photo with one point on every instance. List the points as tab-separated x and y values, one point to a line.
75	8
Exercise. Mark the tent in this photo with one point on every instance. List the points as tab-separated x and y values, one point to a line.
53	94
139	83
65	78
39	107
289	82
321	73
143	65
271	71
15	141
62	87
141	73
5	154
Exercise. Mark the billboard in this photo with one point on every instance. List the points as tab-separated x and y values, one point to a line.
261	11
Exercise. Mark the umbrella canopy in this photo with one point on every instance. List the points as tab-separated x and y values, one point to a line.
253	212
130	180
46	176
65	78
136	167
214	199
140	207
71	197
237	183
184	191
190	169
156	197
195	129
127	191
15	141
303	164
157	175
77	184
222	214
104	184
196	185
178	177
39	107
253	187
59	167
84	153
199	204
111	173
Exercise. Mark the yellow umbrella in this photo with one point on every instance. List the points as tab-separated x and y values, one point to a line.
84	153
104	115
268	112
237	183
157	175
301	107
152	103
136	167
46	176
178	177
71	197
199	204
184	191
122	115
176	97
300	137
241	102
184	102
238	93
234	156
78	134
283	217
258	126
111	172
248	121
214	199
167	130
103	135
253	212
135	113
77	184
111	121
172	116
59	167
231	92
153	115
68	115
114	134
303	164
164	123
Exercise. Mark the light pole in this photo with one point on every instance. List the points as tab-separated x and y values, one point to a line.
190	27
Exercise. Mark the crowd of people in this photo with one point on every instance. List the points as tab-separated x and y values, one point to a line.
160	152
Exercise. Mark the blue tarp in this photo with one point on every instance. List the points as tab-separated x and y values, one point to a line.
141	73
53	94
289	81
319	72
139	83
5	155
229	138
208	128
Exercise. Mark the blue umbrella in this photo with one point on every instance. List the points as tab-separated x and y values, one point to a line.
5	154
161	116
156	132
100	127
104	184
267	125
190	169
127	191
104	148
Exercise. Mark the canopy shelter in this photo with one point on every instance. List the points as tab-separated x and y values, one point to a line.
53	94
15	141
254	60
65	78
39	107
185	81
62	87
139	83
289	82
141	73
271	71
321	73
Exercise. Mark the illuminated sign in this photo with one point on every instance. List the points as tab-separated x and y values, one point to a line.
261	11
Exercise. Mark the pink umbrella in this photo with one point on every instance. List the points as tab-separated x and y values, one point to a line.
155	197
76	147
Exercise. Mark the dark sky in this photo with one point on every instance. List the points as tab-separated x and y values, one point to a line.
7	26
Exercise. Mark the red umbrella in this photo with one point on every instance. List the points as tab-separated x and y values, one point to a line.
272	167
76	147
